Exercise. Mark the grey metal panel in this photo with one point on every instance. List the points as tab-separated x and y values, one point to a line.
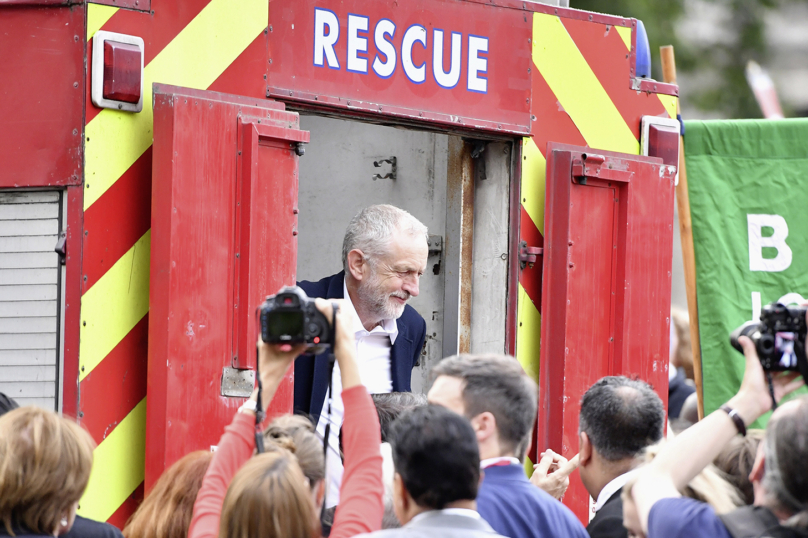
490	251
29	341
29	279
27	309
23	389
29	211
36	357
28	276
28	197
13	374
33	243
27	325
45	403
10	228
39	292
28	260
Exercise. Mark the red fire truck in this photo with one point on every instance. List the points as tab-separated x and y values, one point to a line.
168	163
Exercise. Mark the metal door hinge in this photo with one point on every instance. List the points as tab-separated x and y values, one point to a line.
528	255
237	383
435	244
61	247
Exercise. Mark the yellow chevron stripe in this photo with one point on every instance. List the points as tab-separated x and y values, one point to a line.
669	102
528	334
625	35
97	16
194	59
118	467
114	305
534	169
578	89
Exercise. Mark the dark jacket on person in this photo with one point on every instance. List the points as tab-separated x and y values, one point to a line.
88	528
311	372
678	391
608	521
516	508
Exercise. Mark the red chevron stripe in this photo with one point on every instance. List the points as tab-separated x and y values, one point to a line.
117	220
125	511
252	62
552	122
117	384
157	29
606	54
530	279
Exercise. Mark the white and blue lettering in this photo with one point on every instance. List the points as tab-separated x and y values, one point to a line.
416	73
324	42
385	48
446	80
389	51
477	65
357	43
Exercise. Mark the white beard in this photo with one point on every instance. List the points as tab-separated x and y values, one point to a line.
378	301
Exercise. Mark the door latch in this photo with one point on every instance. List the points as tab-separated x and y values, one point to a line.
528	255
61	247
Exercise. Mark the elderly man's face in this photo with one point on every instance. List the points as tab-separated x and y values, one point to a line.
394	277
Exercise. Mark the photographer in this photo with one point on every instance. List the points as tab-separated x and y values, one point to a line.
269	496
779	475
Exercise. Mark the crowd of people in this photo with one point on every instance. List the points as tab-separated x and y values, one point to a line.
449	464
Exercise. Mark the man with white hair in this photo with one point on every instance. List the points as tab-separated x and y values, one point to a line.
384	254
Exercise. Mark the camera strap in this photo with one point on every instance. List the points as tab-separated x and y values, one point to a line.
259	409
770	382
329	395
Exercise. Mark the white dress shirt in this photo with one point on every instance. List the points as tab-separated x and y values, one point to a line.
611	488
373	358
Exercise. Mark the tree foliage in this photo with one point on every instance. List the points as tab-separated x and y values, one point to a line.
721	64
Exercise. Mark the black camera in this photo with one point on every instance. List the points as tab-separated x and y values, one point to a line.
779	337
290	317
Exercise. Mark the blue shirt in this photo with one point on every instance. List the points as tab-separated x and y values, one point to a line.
516	508
684	518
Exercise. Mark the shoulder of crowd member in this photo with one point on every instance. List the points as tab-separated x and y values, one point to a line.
680	517
88	528
509	506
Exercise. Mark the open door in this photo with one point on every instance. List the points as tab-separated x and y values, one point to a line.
223	236
606	285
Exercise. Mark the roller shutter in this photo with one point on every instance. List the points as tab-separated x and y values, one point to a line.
30	296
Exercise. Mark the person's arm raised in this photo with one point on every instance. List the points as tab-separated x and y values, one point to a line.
273	363
688	453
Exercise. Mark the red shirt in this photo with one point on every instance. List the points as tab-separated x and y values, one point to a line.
360	509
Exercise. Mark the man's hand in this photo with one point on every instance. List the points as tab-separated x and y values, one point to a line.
552	473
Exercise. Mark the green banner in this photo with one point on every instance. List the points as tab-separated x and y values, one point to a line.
748	186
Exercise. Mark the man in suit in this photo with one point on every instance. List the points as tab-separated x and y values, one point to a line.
437	473
500	400
619	418
384	254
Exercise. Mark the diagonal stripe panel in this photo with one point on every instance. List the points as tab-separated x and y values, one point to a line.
534	168
218	34
97	16
578	89
607	56
669	102
118	467
625	35
112	308
528	335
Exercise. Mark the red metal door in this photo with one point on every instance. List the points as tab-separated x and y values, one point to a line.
224	221
606	286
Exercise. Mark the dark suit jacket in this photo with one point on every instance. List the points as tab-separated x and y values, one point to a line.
608	522
311	372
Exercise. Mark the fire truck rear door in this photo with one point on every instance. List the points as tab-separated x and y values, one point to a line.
223	236
606	285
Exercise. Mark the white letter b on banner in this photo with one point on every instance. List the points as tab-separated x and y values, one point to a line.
777	241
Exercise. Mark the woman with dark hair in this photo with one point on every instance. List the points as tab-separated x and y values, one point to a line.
167	509
269	496
45	463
